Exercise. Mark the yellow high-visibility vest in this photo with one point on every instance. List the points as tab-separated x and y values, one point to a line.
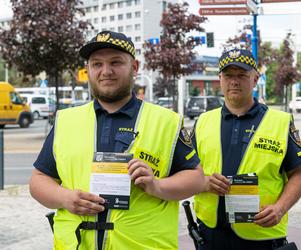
150	223
263	156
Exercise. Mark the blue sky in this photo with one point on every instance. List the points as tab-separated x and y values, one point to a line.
277	20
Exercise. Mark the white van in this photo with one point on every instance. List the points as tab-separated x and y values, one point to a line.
39	105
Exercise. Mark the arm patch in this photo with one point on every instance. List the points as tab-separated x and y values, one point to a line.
185	137
294	134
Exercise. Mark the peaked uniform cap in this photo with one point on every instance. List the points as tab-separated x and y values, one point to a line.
108	39
238	57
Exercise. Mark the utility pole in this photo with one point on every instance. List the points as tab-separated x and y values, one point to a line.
181	84
255	38
254	41
6	72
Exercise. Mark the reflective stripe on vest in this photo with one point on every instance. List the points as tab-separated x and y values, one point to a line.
264	156
150	223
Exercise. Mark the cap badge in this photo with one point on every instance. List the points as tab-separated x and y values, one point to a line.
234	54
103	37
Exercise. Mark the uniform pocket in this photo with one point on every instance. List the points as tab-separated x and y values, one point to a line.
122	141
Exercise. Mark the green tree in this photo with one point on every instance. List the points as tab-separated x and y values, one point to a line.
286	73
163	87
241	40
44	36
267	60
194	91
173	56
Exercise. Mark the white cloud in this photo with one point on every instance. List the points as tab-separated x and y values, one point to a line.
5	9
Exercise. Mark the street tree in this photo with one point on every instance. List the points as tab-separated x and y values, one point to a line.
241	40
44	36
163	87
267	65
173	56
287	73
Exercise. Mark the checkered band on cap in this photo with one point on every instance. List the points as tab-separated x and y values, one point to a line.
123	44
241	58
117	40
108	39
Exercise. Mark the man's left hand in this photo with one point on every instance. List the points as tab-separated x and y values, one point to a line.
269	216
142	175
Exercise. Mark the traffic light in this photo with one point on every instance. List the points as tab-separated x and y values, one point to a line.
210	39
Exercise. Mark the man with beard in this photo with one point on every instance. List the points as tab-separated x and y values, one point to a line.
250	140
164	167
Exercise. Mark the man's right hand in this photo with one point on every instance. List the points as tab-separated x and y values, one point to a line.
51	194
217	184
83	203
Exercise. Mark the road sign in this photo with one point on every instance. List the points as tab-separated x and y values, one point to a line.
82	75
200	39
43	83
252	6
279	1
221	2
154	40
224	11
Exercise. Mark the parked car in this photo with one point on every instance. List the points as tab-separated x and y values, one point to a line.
62	105
165	102
295	105
197	105
39	105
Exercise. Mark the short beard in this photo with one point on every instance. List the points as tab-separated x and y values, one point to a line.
119	95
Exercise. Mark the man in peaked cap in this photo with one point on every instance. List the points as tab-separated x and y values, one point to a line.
164	169
245	137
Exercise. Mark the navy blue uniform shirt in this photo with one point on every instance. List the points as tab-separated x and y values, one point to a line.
114	135
236	132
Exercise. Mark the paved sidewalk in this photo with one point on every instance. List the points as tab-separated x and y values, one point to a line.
23	225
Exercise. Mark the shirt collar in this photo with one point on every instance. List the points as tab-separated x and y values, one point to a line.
253	111
129	109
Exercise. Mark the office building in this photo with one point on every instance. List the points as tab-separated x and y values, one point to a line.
138	19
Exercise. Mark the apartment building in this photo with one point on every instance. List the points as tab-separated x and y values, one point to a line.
5	22
138	19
